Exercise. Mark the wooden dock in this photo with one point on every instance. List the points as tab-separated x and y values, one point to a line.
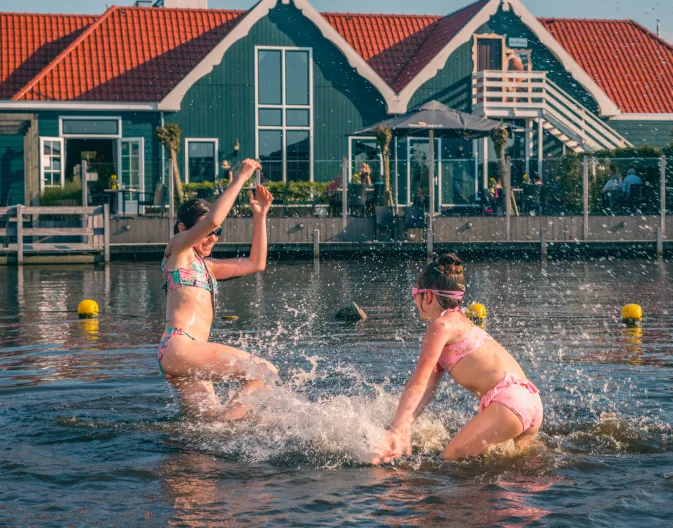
88	234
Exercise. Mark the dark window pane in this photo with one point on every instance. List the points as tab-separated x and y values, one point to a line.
269	77
270	117
298	155
296	78
91	127
271	153
298	118
201	157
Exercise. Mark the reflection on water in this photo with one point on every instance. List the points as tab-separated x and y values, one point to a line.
91	429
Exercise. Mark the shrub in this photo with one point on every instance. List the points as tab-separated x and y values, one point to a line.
71	191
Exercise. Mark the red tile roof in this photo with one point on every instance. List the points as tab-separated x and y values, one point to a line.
29	42
131	55
397	47
445	29
386	42
633	66
140	54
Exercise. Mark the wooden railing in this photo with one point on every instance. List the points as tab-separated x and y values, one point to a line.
532	94
94	230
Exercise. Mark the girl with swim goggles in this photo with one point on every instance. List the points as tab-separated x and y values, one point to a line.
510	405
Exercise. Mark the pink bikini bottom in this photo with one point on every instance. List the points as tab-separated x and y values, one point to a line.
519	396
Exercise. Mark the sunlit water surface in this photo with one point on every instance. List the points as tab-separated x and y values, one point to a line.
91	433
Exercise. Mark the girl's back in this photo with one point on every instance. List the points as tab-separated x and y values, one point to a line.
481	360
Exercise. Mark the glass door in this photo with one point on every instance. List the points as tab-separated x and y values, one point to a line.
131	173
418	172
51	162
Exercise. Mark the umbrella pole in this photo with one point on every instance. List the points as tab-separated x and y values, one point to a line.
431	193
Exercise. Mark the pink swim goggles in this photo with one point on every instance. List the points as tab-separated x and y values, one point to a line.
455	295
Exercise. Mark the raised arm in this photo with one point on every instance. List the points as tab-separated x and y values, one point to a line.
218	212
230	268
417	394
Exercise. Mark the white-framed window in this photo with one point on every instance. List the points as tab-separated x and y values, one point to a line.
201	159
131	163
90	127
52	161
284	112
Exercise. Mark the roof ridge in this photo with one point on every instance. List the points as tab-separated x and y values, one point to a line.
574	19
73	15
88	31
437	23
182	9
386	15
652	35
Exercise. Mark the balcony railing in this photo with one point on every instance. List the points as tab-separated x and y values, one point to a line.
532	95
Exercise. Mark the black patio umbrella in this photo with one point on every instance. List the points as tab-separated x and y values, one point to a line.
438	120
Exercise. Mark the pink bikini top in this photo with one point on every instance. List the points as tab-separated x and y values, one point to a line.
472	342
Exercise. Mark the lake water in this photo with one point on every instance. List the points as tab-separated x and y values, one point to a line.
91	433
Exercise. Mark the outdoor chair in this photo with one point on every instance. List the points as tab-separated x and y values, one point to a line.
95	198
154	202
414	217
357	197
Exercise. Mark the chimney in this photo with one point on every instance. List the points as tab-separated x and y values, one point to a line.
658	28
187	4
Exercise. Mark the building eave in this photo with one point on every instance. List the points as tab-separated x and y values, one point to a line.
77	105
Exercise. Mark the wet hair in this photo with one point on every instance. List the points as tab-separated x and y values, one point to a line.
445	273
190	212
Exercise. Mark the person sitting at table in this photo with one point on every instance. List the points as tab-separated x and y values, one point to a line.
631	179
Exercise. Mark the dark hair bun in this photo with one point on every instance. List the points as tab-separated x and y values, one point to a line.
450	264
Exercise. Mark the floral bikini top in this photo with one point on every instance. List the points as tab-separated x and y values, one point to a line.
197	275
453	353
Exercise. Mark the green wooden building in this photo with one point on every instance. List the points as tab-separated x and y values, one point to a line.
286	84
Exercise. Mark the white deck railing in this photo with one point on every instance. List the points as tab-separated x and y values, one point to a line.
532	95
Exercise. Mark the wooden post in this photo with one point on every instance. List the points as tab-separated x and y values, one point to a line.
660	243
585	198
85	196
544	247
106	232
316	243
431	193
171	199
529	138
19	234
344	193
484	153
662	196
508	199
540	146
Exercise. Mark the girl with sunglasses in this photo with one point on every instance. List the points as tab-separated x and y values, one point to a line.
186	358
510	405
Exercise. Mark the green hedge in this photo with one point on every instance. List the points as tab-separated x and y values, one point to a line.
71	191
289	193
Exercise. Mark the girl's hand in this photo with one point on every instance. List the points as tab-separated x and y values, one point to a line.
260	203
248	168
397	443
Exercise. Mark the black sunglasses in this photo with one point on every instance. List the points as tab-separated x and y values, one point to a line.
217	232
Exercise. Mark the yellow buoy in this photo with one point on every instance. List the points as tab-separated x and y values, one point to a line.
632	315
87	309
476	312
230	317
